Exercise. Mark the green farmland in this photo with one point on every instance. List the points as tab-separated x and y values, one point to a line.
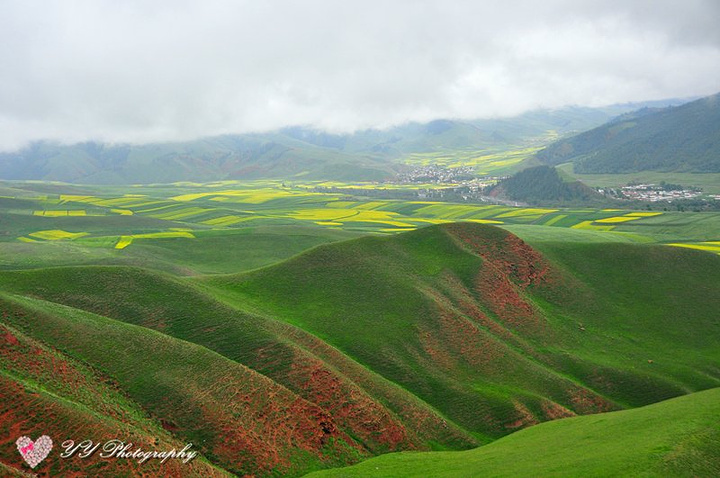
61	224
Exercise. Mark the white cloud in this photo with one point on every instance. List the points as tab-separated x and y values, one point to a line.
147	71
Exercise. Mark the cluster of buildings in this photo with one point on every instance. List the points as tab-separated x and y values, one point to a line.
652	193
436	174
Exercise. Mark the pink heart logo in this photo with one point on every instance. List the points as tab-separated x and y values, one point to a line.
34	451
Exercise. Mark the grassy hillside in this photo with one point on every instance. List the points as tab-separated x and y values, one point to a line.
30	410
684	138
239	419
443	338
543	185
678	437
45	391
208	252
224	157
488	331
327	409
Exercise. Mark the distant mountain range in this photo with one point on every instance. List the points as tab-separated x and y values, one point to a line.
683	138
295	152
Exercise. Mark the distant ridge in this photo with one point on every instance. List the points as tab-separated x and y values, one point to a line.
683	138
294	152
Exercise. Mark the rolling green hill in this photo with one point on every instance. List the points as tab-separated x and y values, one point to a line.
225	157
682	139
678	437
543	185
492	334
295	152
443	338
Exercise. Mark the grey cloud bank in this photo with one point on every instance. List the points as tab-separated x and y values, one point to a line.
137	71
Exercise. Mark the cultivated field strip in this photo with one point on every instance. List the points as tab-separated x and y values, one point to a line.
190	210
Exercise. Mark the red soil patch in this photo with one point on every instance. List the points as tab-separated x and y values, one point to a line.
586	402
260	427
34	414
525	417
402	407
10	338
464	330
554	411
257	426
351	407
436	349
30	359
509	268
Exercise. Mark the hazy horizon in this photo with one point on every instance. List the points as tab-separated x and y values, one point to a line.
175	71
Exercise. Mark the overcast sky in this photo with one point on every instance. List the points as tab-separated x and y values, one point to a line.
122	70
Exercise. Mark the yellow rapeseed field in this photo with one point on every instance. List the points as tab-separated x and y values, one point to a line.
122	212
536	212
616	220
125	241
225	220
702	246
644	214
590	226
60	213
555	219
57	235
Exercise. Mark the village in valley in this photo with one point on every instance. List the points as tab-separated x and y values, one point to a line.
663	192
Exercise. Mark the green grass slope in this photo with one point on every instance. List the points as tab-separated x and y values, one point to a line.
446	337
678	437
208	252
495	335
239	419
377	414
685	138
46	392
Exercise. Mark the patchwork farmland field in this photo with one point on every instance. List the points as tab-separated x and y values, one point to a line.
484	162
122	225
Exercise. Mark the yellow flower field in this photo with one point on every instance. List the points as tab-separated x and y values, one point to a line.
535	212
644	214
125	241
57	235
60	213
616	220
702	246
592	227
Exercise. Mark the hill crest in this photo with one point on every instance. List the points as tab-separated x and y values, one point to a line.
683	138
